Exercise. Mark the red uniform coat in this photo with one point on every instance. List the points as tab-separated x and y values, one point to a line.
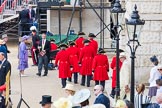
100	66
94	44
53	46
64	67
79	43
74	58
86	58
113	67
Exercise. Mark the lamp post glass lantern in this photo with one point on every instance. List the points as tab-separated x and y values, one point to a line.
117	14
134	26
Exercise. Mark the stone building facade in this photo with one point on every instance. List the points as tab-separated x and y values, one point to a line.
151	36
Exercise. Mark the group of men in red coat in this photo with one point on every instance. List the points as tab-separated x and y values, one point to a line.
81	57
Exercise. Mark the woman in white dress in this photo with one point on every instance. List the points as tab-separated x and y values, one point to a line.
154	75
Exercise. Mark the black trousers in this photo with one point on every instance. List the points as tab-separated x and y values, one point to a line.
75	77
63	82
88	80
113	91
100	83
43	60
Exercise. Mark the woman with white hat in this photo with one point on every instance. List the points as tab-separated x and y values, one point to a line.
62	103
82	97
70	91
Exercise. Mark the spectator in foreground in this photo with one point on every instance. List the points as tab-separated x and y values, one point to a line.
5	39
82	97
100	97
159	92
3	48
154	75
160	70
63	103
46	101
140	98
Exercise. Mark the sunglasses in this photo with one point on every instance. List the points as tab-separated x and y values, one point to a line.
95	89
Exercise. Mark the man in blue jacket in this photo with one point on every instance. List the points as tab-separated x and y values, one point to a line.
100	97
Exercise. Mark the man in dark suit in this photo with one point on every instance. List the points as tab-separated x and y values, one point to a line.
31	13
5	67
43	57
100	97
24	21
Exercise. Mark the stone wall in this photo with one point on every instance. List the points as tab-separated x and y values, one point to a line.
151	36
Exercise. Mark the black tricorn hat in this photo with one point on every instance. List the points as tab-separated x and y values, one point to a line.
46	99
63	45
53	40
101	50
91	35
72	43
154	59
81	33
86	41
120	50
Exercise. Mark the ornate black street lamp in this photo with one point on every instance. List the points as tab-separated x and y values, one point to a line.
134	26
117	14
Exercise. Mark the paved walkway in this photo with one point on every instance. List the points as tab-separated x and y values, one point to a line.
33	87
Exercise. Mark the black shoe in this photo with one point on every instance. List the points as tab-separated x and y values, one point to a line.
82	84
38	74
75	82
112	96
88	85
45	75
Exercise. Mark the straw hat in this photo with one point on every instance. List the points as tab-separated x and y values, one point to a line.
63	103
1	42
81	96
69	87
97	106
120	104
122	54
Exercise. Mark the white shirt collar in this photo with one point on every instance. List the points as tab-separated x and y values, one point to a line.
3	61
